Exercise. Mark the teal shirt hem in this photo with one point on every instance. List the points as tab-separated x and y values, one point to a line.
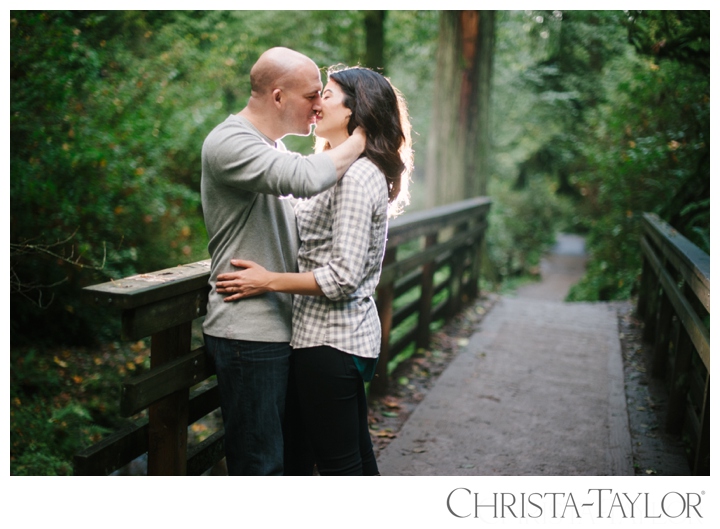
366	367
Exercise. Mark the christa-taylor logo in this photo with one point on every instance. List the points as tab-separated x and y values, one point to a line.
595	503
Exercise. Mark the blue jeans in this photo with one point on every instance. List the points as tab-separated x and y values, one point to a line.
252	381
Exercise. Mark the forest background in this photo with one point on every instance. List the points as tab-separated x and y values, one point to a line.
594	117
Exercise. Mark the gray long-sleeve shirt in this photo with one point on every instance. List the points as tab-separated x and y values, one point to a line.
244	176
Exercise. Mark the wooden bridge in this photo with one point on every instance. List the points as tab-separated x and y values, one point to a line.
431	270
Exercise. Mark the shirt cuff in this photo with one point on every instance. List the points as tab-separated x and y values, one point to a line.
330	288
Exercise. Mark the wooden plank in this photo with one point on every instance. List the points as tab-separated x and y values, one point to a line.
399	344
407	283
203	400
692	263
163	314
182	373
113	452
142	289
205	454
405	312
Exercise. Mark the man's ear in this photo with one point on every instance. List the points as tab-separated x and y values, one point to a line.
277	96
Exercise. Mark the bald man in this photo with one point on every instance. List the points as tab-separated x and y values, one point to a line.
246	172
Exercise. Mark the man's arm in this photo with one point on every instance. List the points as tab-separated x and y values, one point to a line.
254	279
238	157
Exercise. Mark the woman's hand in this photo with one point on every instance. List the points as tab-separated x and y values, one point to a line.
253	280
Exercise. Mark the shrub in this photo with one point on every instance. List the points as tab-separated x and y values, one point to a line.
522	226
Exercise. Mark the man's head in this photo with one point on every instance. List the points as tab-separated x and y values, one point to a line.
286	89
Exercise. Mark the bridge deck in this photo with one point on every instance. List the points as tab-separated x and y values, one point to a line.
538	390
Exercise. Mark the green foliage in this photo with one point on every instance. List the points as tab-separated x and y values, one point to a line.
521	227
64	400
648	151
622	133
90	166
681	36
108	113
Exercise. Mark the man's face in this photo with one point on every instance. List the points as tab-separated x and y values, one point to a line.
302	101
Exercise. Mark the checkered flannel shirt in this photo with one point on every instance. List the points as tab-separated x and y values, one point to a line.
343	233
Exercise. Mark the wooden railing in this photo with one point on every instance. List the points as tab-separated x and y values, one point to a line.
674	303
431	266
432	258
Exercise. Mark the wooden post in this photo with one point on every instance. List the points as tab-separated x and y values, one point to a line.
426	296
168	418
651	305
642	303
457	267
678	383
661	340
475	262
385	311
701	466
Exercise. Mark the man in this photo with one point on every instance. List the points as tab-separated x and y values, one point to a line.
245	171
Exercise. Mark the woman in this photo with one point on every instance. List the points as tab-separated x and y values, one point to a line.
336	328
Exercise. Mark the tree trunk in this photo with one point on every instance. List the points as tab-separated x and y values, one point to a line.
459	139
375	40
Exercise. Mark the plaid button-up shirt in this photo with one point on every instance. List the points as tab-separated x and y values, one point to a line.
343	233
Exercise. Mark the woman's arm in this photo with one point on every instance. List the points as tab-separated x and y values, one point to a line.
354	199
254	280
343	273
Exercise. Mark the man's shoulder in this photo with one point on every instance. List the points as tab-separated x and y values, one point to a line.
234	131
231	124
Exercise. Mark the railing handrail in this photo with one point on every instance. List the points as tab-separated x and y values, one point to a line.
421	222
691	261
141	289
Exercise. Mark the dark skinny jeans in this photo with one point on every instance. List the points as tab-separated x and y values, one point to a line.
333	406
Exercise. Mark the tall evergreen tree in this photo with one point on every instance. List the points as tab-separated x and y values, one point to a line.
458	144
375	40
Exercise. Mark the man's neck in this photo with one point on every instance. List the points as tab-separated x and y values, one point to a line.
259	122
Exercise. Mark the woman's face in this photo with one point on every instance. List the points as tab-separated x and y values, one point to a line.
332	122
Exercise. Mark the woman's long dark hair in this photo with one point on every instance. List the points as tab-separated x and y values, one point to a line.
380	109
